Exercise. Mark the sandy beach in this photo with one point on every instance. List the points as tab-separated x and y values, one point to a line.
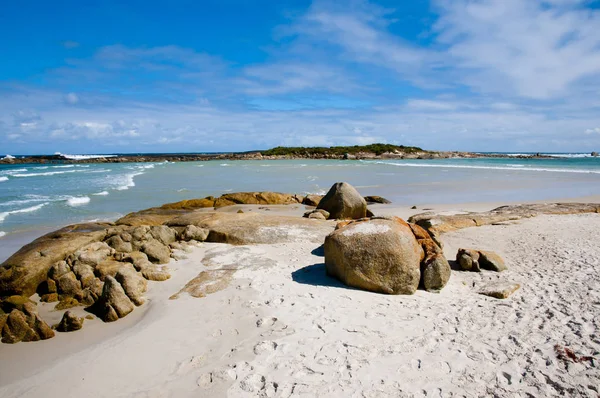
283	328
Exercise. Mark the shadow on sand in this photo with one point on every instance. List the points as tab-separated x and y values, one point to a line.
317	276
319	251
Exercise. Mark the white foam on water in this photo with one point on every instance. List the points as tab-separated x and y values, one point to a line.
225	164
12	171
2	233
3	179
26	210
128	181
83	157
8	157
47	173
67	166
78	201
199	165
457	166
103	193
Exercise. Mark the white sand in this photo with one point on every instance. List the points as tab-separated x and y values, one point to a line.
283	328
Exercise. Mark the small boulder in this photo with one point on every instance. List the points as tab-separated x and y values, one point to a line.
318	214
67	284
133	284
499	290
117	243
379	255
156	273
344	202
468	260
85	274
156	251
192	232
376	199
491	261
312	200
475	260
69	323
110	267
94	253
114	303
163	234
65	303
25	325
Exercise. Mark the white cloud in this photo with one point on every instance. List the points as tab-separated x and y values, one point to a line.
533	49
593	131
72	98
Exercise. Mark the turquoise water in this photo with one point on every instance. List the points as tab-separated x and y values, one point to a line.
34	197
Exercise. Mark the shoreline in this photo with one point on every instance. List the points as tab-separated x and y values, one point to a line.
13	241
282	322
257	155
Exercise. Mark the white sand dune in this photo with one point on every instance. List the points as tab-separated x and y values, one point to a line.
283	328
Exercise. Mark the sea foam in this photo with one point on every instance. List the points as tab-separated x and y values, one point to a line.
78	201
3	179
26	210
457	166
103	193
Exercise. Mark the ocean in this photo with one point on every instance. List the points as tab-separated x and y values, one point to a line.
35	198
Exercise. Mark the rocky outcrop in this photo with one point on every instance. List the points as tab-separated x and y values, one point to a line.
436	223
475	260
113	303
257	198
500	290
379	255
253	228
343	202
27	268
69	323
25	325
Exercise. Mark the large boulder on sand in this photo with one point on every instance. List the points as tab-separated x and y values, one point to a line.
343	201
381	255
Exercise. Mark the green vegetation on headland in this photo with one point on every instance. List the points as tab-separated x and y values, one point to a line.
376	149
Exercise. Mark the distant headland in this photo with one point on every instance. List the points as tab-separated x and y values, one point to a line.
371	151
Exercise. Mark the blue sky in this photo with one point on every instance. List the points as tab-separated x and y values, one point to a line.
195	76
